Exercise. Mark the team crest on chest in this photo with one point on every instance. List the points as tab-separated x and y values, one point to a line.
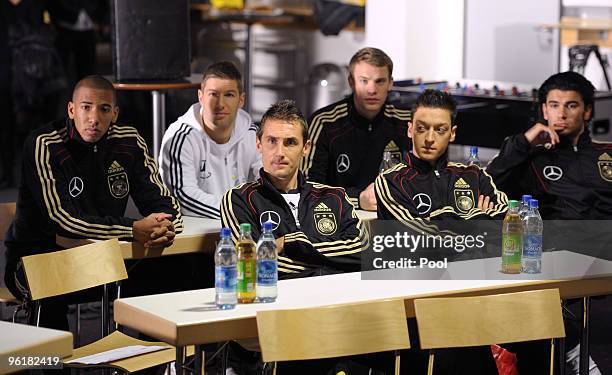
325	220
464	197
605	166
118	182
396	153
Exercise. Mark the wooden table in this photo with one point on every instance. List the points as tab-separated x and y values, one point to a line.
158	93
187	318
30	342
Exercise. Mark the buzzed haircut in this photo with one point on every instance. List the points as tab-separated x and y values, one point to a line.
372	56
568	81
96	82
223	70
436	99
284	110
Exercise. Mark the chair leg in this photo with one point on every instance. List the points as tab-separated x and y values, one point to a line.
561	356
77	339
397	362
430	365
552	356
274	368
36	313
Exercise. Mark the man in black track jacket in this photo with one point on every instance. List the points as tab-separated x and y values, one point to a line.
77	174
556	161
427	185
316	226
350	136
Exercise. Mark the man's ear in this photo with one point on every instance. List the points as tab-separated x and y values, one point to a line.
453	133
70	110
351	81
115	114
544	111
410	129
258	144
588	113
306	149
241	102
390	84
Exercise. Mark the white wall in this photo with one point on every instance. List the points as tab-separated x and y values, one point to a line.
424	38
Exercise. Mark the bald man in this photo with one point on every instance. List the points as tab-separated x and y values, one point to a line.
77	174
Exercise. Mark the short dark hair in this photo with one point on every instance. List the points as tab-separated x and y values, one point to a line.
436	99
96	82
223	70
568	81
372	56
284	110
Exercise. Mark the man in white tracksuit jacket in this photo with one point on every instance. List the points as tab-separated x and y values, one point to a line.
210	148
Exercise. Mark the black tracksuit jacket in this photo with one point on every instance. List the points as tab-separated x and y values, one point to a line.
80	190
347	149
329	236
415	191
571	182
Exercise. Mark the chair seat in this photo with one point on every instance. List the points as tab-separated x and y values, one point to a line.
117	340
7	297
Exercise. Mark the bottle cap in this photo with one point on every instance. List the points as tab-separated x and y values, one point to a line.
526	198
267	226
513	203
245	227
533	203
226	232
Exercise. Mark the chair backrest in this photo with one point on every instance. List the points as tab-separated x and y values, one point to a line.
485	320
75	269
332	331
7	213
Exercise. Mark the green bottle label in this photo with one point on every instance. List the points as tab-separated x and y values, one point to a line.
246	276
512	246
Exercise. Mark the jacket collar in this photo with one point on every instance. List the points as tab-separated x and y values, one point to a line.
302	187
359	120
422	166
75	138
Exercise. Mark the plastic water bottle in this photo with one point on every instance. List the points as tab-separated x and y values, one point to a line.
524	207
267	266
225	272
387	162
512	239
246	265
532	239
473	159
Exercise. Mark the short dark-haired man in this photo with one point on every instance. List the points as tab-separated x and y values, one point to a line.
316	227
557	163
209	149
555	160
427	185
349	137
77	174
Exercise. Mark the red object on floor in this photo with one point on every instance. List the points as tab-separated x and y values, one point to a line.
505	360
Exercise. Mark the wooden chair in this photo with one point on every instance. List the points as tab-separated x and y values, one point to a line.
486	320
79	268
7	213
333	331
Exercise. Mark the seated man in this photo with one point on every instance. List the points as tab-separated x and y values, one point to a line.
557	163
350	137
428	185
209	149
76	176
555	160
316	227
